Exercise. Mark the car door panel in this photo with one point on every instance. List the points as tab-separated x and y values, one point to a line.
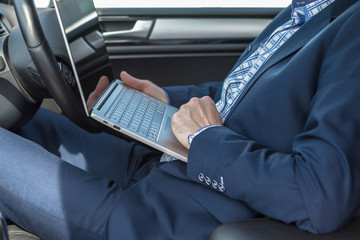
180	46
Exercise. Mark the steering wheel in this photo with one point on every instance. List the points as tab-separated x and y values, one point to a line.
65	94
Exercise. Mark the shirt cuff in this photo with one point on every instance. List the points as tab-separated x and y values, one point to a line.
192	136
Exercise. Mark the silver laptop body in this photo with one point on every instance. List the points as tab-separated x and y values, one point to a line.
126	110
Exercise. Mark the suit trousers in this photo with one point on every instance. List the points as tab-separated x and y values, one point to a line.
60	182
64	177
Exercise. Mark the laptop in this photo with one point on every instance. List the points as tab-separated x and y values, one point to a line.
126	110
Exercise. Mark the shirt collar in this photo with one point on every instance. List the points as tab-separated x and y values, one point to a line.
304	10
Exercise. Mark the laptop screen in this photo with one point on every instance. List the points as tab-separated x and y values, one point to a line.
85	45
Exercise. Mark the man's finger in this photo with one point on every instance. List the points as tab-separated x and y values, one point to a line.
132	81
100	87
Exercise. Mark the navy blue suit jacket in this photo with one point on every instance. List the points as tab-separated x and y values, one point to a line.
290	148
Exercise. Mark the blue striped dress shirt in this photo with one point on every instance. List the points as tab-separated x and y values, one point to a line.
234	84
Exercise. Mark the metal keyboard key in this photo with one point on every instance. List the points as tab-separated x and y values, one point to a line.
140	113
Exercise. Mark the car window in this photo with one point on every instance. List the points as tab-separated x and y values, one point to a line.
42	3
190	3
182	3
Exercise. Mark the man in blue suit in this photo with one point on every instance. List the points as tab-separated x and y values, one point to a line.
279	137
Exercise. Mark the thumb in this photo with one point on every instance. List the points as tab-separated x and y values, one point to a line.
132	82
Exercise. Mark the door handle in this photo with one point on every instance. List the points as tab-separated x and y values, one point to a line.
141	29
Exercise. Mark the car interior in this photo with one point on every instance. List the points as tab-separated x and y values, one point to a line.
170	46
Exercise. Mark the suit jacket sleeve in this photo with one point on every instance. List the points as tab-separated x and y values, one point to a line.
317	185
180	95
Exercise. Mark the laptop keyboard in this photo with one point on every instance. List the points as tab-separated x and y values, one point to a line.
137	112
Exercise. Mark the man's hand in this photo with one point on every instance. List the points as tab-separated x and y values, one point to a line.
100	87
144	86
192	116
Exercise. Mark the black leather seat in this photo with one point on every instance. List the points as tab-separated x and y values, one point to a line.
259	229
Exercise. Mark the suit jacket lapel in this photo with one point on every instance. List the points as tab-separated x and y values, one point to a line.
299	39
